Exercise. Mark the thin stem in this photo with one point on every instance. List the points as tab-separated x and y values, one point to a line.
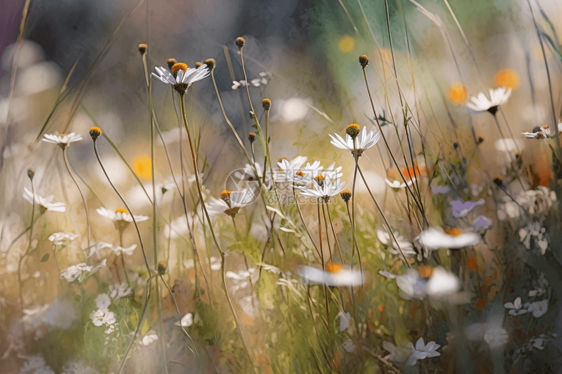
28	244
384	218
198	182
334	232
66	163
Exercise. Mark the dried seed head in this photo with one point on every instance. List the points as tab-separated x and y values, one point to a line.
198	64
142	48
30	173
225	194
210	62
363	61
498	180
353	130
171	62
95	132
162	267
266	103
345	195
252	137
240	41
179	66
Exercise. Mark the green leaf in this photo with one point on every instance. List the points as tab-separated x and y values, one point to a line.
45	258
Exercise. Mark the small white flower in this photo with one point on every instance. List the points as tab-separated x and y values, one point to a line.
102	317
436	238
187	76
481	103
187	320
119	291
59	238
62	140
538	308
119	215
103	301
45	203
324	188
442	283
422	351
515	308
406	247
335	275
237	84
149	338
118	250
363	141
74	272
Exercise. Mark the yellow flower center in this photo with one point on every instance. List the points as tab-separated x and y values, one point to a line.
453	232
121	210
507	78
142	166
300	174
334	268
225	194
457	93
63	135
179	66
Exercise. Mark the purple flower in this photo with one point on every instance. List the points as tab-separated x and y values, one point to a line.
482	223
461	209
440	190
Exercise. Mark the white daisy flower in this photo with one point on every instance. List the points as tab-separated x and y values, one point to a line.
289	168
117	291
45	203
324	186
438	283
397	184
335	275
405	245
120	214
59	238
481	103
62	140
363	141
230	202
442	283
102	317
181	75
436	238
422	351
515	307
538	308
75	271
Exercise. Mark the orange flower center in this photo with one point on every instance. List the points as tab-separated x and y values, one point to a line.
121	210
453	232
425	271
179	66
300	174
457	93
225	194
63	135
334	268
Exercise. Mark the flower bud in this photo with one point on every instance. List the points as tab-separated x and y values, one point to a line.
363	61
95	132
30	173
171	62
252	137
266	103
345	195
198	65
353	130
210	62
142	48
162	267
240	41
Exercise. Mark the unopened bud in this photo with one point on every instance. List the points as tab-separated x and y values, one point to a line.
240	41
95	132
210	62
266	103
363	61
162	267
142	48
252	137
30	173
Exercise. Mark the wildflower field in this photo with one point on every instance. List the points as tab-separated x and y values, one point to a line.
249	186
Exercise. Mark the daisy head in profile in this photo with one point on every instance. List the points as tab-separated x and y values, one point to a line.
481	103
45	203
542	132
335	275
180	76
357	140
322	188
230	202
120	217
62	140
453	238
